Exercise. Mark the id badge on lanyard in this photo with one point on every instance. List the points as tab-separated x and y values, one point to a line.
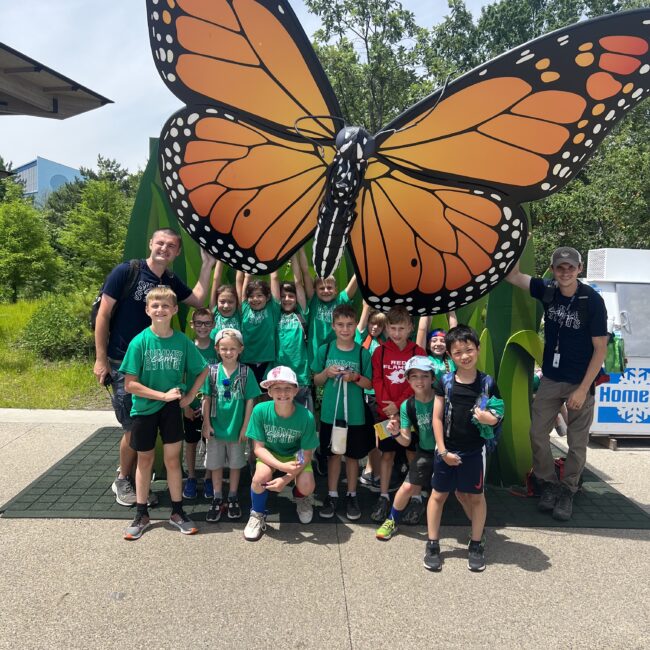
556	354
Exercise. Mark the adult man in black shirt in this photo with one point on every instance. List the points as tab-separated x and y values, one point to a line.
575	343
114	330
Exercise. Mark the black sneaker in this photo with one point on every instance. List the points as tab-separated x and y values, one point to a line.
329	507
547	498
214	513
352	510
234	510
381	510
564	507
432	560
475	556
413	512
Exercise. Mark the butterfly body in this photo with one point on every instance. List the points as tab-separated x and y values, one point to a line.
255	165
336	213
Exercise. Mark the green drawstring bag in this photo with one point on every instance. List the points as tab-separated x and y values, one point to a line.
615	357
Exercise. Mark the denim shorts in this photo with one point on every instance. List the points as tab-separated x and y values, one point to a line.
120	399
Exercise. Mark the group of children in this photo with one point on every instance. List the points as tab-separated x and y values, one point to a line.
377	392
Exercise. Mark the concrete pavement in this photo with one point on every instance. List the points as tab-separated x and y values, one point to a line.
78	584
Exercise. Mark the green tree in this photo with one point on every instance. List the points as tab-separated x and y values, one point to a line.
368	48
28	264
92	238
108	169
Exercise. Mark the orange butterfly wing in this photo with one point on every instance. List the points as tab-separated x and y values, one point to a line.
525	122
438	219
429	246
247	195
250	56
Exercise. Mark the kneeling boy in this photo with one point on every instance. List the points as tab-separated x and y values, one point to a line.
284	439
157	364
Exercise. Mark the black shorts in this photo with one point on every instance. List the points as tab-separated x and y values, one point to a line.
192	429
371	402
361	439
259	370
391	444
169	421
466	477
421	468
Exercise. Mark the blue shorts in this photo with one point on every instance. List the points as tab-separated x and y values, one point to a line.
466	477
120	399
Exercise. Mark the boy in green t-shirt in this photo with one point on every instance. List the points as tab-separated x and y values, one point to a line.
228	396
260	316
343	366
292	340
323	299
284	438
157	364
420	374
202	322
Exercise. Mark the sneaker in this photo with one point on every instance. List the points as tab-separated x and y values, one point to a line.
190	491
137	527
124	492
152	499
255	527
413	512
476	557
380	513
208	489
366	479
548	498
183	523
386	530
329	507
305	509
432	560
214	513
352	510
234	510
564	507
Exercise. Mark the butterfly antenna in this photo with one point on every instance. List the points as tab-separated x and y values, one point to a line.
433	108
321	151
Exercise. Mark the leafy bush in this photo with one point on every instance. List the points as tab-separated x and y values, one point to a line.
58	329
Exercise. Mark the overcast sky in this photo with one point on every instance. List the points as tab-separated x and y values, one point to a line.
105	47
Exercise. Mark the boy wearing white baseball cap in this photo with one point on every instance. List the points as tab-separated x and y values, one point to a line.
284	438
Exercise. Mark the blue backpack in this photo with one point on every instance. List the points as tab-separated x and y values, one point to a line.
487	390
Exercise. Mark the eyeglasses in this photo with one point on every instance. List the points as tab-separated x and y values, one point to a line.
202	323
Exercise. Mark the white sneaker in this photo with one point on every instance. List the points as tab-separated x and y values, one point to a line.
305	509
255	527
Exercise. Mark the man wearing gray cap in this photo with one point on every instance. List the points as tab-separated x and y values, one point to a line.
575	343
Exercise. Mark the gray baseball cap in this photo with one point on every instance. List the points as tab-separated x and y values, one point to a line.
566	255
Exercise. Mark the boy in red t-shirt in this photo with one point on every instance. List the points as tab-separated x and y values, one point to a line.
391	389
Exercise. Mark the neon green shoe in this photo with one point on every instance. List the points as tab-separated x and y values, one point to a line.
386	530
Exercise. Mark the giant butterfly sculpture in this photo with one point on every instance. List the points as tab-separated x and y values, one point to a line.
260	160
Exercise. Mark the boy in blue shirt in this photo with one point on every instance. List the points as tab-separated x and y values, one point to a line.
156	366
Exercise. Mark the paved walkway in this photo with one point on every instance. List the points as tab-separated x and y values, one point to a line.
77	584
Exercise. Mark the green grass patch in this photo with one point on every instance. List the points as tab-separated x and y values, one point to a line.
29	382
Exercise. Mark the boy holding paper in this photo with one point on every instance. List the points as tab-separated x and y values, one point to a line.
391	389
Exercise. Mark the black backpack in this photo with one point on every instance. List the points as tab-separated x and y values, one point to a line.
131	279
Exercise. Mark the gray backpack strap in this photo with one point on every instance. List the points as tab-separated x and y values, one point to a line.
214	392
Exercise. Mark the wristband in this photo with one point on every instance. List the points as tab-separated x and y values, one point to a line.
443	453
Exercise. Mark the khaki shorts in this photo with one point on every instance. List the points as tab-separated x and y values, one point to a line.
221	453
